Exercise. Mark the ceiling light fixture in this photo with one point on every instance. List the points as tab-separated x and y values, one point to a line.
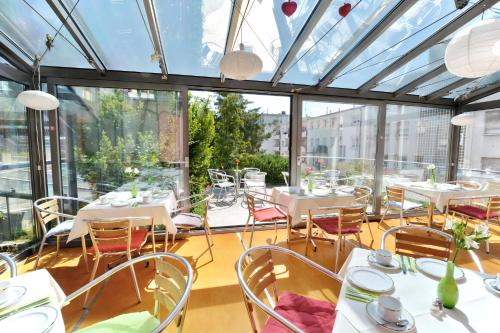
463	119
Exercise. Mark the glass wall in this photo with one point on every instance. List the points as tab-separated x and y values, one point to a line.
16	217
111	139
339	141
479	154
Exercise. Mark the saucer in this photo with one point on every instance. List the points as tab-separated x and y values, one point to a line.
371	309
394	265
491	285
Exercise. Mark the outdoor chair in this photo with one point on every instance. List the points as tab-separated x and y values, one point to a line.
10	262
255	181
467	184
339	221
419	241
171	291
288	311
286	175
396	200
49	211
269	211
222	182
472	209
186	221
114	237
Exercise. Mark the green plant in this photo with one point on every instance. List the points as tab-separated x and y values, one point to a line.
463	239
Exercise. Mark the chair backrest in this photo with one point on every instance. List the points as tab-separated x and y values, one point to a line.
47	210
493	206
257	176
201	199
351	217
396	194
285	176
250	203
362	194
172	286
11	263
245	170
419	241
255	271
115	232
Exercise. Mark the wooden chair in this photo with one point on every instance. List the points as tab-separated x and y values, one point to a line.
288	311
348	222
10	262
186	221
396	201
48	211
115	237
172	289
471	209
269	211
420	241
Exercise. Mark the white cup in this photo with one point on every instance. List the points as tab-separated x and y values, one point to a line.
103	200
389	308
147	197
383	257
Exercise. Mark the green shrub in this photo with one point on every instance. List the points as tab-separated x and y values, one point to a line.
273	165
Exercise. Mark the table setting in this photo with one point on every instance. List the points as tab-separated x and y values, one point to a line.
31	303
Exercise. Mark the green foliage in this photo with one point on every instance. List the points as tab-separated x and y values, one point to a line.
273	165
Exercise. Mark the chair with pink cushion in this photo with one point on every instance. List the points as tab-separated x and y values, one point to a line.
263	210
339	221
471	209
286	311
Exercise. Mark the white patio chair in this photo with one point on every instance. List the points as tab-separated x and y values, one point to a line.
10	262
255	181
223	182
48	211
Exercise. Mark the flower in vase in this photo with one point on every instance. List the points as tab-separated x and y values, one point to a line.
431	167
128	170
308	171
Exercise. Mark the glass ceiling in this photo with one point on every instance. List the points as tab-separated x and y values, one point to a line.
193	35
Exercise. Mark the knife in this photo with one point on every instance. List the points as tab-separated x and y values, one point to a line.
403	266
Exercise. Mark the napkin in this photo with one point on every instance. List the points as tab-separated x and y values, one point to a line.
24	304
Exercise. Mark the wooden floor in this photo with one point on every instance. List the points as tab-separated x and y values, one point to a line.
215	303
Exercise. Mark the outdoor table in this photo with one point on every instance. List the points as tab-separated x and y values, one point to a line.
438	194
40	284
159	209
476	310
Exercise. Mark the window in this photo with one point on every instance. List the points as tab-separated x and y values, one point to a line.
492	122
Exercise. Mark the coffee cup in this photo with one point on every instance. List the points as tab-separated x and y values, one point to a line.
389	308
383	257
146	197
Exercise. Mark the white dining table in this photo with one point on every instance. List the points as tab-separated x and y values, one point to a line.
476	310
40	284
159	209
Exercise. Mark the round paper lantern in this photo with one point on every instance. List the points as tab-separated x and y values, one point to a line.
38	100
240	65
463	119
471	52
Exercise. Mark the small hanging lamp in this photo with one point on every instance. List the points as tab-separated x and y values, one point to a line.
240	65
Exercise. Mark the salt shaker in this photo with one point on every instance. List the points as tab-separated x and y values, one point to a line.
436	306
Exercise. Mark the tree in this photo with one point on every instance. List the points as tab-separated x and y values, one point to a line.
253	131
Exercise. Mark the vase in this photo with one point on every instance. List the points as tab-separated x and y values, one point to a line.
309	184
447	288
133	190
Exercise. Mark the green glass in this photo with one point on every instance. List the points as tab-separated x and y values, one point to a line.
133	190
447	288
310	184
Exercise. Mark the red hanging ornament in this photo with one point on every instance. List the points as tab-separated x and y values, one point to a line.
344	9
289	7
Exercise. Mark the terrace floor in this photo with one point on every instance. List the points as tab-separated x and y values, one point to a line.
215	303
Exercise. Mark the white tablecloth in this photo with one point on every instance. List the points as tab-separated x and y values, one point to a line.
438	193
476	311
40	283
159	209
296	205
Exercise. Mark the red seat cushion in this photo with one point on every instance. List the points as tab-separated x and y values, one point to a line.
473	211
269	214
331	225
138	237
310	315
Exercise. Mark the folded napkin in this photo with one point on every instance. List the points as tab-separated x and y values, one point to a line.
358	295
24	304
409	262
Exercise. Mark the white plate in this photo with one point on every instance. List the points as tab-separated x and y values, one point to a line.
35	320
119	203
436	268
370	279
371	309
490	285
11	295
394	265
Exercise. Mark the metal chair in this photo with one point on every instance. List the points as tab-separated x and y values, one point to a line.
47	211
10	262
115	237
420	241
255	181
223	182
172	291
286	175
186	221
340	221
268	212
396	201
286	312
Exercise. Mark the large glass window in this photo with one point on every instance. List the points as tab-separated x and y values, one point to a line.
16	218
113	138
339	141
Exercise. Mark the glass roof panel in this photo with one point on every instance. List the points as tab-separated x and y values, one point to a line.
117	33
416	25
272	40
193	34
334	36
28	22
440	81
474	85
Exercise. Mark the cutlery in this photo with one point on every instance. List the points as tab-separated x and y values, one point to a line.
402	323
403	266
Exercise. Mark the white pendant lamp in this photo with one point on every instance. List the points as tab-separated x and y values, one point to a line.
240	65
472	52
463	119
